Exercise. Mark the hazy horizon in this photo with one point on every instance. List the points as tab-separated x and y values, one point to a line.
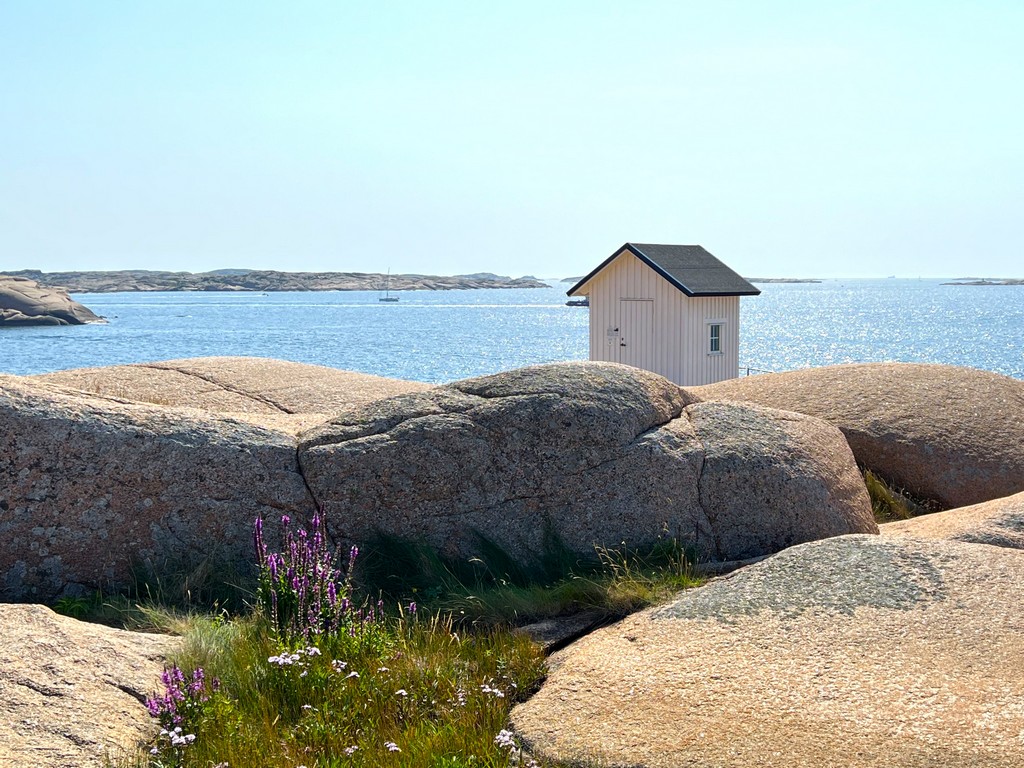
793	139
542	278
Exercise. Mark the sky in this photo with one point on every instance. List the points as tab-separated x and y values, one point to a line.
790	139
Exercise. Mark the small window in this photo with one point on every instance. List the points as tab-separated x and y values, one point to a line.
714	338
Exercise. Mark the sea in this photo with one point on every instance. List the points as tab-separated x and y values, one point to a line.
441	336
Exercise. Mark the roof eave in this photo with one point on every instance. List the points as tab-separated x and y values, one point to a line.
728	293
573	291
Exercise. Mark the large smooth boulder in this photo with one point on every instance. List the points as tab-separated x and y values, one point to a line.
856	651
73	693
276	393
94	492
597	454
953	435
771	479
26	302
999	522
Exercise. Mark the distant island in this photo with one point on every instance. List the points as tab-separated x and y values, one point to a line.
782	280
982	281
265	281
748	279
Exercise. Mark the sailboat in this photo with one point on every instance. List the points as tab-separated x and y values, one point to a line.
387	297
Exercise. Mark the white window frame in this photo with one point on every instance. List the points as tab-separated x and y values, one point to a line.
708	346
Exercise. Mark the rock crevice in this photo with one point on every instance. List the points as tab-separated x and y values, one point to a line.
265	400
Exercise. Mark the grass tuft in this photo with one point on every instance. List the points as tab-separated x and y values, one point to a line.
494	589
889	503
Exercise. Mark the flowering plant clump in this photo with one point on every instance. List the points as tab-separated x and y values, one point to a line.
184	697
316	677
306	597
181	707
302	591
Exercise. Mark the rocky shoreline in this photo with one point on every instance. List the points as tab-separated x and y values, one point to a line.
26	302
265	281
840	647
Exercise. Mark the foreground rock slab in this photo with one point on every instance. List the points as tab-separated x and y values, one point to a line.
70	692
999	522
95	493
276	393
596	454
855	651
949	434
26	302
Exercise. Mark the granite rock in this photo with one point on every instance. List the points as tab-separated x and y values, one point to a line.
999	522
26	302
857	651
94	489
772	479
948	434
274	393
597	454
73	693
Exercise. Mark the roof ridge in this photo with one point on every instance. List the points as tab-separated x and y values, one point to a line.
691	268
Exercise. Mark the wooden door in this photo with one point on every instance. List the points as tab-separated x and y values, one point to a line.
636	332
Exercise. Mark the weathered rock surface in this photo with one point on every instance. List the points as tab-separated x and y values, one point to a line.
97	486
999	522
855	651
267	280
92	488
70	692
954	435
275	393
772	479
26	302
597	453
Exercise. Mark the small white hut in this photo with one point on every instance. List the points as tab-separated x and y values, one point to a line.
671	309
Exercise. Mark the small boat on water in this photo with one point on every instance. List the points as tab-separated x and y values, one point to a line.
387	297
584	302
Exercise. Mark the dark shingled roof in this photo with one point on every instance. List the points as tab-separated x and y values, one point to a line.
689	268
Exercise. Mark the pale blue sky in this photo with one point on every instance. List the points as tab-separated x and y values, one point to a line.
788	138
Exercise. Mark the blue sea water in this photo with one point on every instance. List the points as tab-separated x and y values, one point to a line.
439	336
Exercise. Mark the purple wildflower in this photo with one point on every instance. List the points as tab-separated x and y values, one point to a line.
306	595
182	701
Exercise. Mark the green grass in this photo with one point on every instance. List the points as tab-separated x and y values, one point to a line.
432	689
438	685
125	612
495	589
439	695
889	503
